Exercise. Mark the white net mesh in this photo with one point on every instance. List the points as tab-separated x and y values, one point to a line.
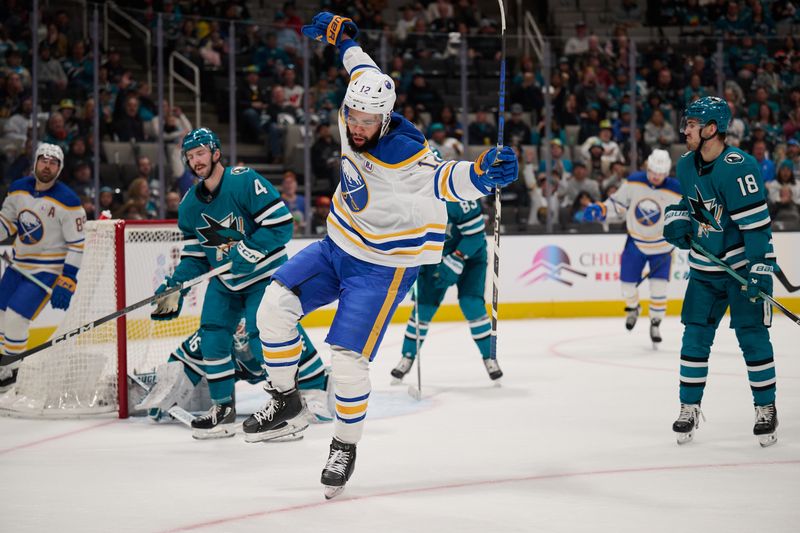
79	376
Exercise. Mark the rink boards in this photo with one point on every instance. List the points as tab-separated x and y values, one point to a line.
540	276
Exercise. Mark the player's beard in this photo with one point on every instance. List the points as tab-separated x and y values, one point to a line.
46	176
370	143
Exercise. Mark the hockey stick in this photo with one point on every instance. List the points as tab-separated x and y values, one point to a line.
743	281
785	281
27	275
9	359
497	204
416	392
659	265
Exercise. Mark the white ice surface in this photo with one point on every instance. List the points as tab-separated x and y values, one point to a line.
577	439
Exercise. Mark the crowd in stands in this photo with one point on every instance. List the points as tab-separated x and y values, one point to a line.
594	142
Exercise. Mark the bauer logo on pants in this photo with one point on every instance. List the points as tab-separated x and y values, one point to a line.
354	188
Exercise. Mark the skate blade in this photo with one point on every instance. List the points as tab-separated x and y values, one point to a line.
332	492
684	438
219	432
768	439
289	430
414	392
396	381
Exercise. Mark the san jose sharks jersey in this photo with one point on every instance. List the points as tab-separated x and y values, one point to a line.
49	226
726	203
388	208
465	229
243	206
641	204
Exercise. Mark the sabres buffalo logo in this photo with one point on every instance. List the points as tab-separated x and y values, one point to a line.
29	227
647	212
354	189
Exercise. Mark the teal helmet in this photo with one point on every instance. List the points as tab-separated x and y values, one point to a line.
200	137
707	110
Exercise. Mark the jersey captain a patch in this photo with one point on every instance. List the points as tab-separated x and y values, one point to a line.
221	234
706	212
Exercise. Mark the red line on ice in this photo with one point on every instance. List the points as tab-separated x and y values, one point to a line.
57	437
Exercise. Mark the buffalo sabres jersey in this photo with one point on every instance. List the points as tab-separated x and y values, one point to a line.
726	204
48	225
641	204
389	206
243	206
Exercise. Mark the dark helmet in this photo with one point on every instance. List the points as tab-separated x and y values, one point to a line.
707	110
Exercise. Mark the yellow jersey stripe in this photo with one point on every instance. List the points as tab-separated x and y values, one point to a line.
388	302
350	410
428	247
374	236
283	354
51	199
443	188
419	155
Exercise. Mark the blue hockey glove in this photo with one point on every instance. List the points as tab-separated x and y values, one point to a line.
62	293
168	307
448	271
329	27
677	226
759	279
594	212
486	175
244	258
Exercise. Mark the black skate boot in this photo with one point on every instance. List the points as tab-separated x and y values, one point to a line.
8	377
219	422
493	369
283	415
687	421
655	332
631	315
339	468
766	425
402	368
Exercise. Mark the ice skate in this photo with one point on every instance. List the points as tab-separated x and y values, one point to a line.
655	332
8	377
631	315
766	425
218	423
338	468
687	422
402	368
283	415
493	369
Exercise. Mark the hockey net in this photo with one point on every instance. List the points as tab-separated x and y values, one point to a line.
123	263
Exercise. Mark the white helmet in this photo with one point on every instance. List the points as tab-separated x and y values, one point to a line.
50	150
659	162
372	92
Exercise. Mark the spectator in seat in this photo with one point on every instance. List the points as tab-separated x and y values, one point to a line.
579	43
51	74
657	132
138	205
784	178
481	130
17	128
108	200
694	90
56	41
253	99
558	160
423	96
325	158
410	113
590	122
322	208
766	119
611	150
129	126
452	127
295	202
56	132
292	91
578	182
737	129
173	200
621	127
448	148
785	210
14	64
71	123
761	156
80	178
793	155
761	97
517	131
11	98
78	151
176	127
78	67
528	94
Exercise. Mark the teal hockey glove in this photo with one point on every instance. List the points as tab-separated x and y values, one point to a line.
330	28
594	212
169	306
759	279
448	271
677	226
244	258
486	176
62	293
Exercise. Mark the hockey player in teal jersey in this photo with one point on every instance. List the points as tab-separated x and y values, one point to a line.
724	209
231	215
180	380
464	261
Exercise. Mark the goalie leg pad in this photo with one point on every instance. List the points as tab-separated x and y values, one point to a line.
352	389
173	387
278	317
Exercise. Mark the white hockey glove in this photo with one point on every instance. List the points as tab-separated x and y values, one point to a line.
169	306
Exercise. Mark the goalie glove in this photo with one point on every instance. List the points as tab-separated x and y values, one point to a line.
330	28
677	227
169	306
448	271
492	170
62	292
759	280
244	258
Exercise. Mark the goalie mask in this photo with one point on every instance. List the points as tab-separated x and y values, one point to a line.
372	92
50	151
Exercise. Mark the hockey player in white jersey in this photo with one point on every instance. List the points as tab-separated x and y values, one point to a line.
641	202
388	217
47	218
